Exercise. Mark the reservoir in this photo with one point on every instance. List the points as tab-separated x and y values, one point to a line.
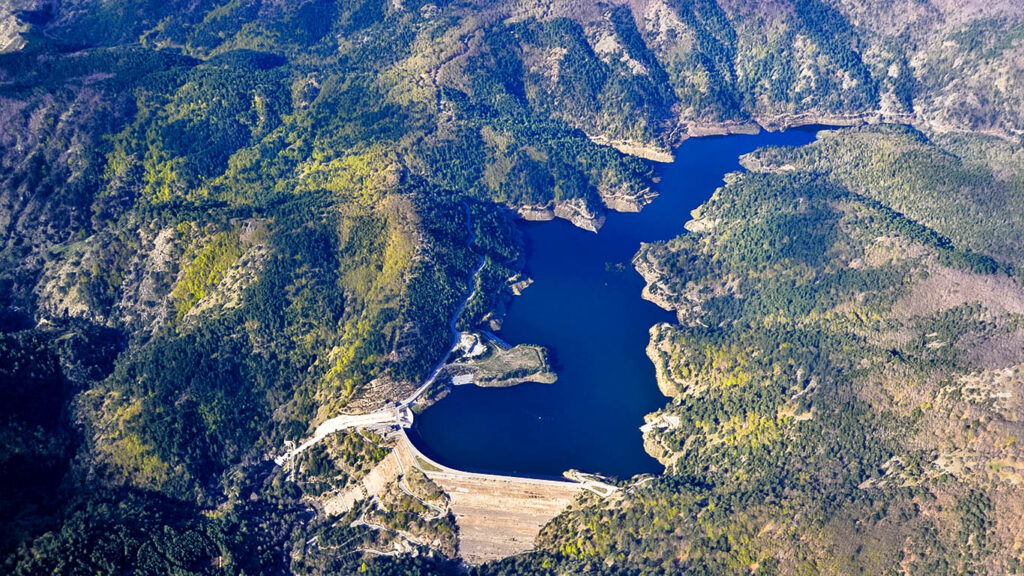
585	307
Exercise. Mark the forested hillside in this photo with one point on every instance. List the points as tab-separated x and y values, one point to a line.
223	222
846	372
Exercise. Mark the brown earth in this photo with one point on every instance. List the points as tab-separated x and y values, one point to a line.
498	516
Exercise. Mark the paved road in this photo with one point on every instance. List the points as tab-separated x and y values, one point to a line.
395	414
398	415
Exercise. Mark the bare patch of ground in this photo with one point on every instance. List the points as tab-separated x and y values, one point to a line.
995	351
497	516
500	517
946	288
978	422
379	477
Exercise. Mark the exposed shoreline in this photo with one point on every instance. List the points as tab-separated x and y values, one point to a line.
580	215
586	219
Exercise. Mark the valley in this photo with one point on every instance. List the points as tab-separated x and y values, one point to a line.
499	287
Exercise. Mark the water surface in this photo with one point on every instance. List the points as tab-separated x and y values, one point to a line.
585	306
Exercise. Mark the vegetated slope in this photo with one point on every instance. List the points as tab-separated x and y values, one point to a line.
229	220
270	238
845	379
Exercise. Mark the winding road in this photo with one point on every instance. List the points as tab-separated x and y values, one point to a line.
396	414
399	415
498	516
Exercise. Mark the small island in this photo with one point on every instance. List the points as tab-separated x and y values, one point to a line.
485	360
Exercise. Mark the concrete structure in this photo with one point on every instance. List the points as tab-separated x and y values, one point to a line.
498	516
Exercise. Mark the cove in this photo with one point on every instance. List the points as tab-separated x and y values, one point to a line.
585	307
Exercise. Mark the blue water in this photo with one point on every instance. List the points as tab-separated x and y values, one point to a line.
585	306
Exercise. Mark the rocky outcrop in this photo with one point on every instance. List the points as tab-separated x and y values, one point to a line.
659	351
574	210
145	297
536	213
701	129
12	28
139	299
653	430
518	283
620	199
57	294
653	291
647	151
624	200
577	212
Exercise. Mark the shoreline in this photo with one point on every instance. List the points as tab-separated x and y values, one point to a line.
533	213
576	212
777	124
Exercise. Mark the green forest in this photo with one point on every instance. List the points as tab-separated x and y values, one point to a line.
223	222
